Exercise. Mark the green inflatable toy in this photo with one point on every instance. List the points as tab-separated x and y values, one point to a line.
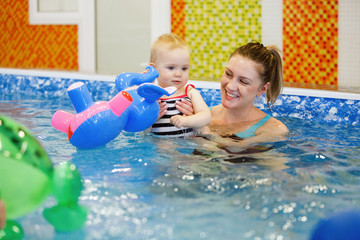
27	178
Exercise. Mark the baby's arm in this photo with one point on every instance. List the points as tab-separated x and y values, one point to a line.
201	116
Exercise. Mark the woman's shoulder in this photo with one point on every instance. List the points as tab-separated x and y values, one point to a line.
274	126
215	109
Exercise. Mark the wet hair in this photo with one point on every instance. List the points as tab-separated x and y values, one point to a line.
167	41
271	71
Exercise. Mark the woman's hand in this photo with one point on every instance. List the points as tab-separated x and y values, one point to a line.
163	108
185	107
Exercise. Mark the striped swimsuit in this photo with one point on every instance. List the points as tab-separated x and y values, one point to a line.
163	127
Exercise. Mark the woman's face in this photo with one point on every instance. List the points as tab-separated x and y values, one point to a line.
241	82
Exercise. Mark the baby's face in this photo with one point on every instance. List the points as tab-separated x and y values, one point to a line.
173	67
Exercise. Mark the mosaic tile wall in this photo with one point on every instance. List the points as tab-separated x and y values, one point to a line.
34	46
178	17
214	29
310	41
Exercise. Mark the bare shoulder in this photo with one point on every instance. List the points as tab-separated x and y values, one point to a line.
274	127
196	97
216	108
191	91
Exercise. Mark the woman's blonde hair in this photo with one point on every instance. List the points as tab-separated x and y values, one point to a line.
271	61
167	41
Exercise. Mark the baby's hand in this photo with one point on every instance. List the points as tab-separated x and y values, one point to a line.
178	121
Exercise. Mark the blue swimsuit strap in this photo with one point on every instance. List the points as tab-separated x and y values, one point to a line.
250	132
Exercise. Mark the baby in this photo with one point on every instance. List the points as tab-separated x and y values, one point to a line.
170	56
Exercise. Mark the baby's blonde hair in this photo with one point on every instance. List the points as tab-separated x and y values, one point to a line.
167	41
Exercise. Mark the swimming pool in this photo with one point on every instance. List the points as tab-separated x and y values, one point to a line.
142	187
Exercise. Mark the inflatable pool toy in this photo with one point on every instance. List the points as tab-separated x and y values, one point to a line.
342	225
27	178
95	123
126	80
144	110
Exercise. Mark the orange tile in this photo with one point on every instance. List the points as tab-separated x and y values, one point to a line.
35	46
310	41
178	18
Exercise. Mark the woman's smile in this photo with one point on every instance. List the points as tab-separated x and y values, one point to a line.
231	95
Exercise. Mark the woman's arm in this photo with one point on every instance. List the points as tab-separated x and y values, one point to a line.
2	215
201	116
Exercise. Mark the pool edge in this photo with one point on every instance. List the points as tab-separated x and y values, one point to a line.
198	84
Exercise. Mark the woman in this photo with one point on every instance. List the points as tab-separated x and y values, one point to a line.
252	70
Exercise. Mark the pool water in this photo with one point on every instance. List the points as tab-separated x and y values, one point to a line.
143	187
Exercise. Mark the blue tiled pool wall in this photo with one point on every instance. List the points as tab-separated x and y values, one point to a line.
305	107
